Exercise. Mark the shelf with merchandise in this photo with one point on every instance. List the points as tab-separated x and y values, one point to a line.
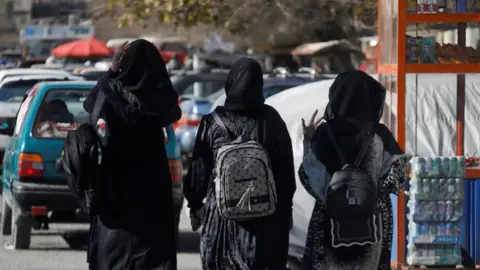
431	48
446	32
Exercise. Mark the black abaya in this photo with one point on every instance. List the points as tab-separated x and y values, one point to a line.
249	245
136	229
355	107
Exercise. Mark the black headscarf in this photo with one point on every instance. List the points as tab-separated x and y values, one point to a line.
143	82
355	108
244	85
355	95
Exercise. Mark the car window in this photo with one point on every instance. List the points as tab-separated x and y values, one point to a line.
29	83
272	90
22	112
13	94
61	110
203	88
174	47
55	73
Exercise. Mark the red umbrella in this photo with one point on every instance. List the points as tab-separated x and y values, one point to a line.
84	48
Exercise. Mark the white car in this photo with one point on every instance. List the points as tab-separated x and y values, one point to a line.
30	71
33	79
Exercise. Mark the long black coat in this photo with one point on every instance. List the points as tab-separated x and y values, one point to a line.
136	231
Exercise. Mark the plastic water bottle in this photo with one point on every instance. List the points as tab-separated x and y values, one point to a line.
449	211
441	190
418	210
434	168
459	188
458	210
418	167
428	166
451	189
430	208
426	187
440	211
445	167
453	167
441	229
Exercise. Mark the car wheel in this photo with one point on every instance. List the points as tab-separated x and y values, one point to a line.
6	218
21	229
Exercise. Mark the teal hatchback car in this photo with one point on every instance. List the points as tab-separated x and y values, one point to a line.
34	192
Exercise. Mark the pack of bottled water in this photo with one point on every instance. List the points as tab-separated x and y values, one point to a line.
435	209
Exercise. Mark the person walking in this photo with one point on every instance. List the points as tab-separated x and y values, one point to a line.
135	228
243	166
351	161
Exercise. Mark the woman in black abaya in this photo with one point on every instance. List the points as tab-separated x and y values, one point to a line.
355	107
135	230
257	244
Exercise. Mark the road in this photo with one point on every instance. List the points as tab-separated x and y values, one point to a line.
50	252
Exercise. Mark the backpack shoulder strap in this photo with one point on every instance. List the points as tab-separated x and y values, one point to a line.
258	132
219	122
97	108
363	150
340	155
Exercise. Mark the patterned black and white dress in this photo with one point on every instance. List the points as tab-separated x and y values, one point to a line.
390	170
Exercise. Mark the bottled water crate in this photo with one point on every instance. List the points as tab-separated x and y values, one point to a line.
435	211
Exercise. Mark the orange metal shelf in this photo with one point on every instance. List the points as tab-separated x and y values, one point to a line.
387	68
472	173
442	17
443	68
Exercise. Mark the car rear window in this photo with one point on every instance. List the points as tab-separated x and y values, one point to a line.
61	110
174	47
13	94
31	82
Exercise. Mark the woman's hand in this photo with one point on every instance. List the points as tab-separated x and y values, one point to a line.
197	218
118	55
309	129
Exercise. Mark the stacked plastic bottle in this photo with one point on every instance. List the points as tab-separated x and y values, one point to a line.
435	210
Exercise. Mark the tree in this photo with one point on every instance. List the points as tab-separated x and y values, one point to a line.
259	21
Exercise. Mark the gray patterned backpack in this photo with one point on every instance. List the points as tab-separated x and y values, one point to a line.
244	184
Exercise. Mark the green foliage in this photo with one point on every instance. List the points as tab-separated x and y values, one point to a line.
179	12
256	20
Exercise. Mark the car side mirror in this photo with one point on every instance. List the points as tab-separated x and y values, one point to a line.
6	126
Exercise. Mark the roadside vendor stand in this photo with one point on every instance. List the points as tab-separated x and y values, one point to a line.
400	71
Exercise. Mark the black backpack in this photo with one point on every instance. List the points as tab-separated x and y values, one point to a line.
351	201
81	158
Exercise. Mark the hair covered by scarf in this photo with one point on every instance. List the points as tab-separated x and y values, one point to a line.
244	85
355	108
141	89
144	83
355	95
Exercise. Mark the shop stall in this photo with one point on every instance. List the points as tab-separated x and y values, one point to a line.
429	63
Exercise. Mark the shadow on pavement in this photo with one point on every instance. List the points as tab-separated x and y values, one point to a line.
189	242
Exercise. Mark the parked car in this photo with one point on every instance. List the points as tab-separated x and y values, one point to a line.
193	87
193	109
30	80
170	46
30	71
272	84
90	73
35	194
12	91
198	83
